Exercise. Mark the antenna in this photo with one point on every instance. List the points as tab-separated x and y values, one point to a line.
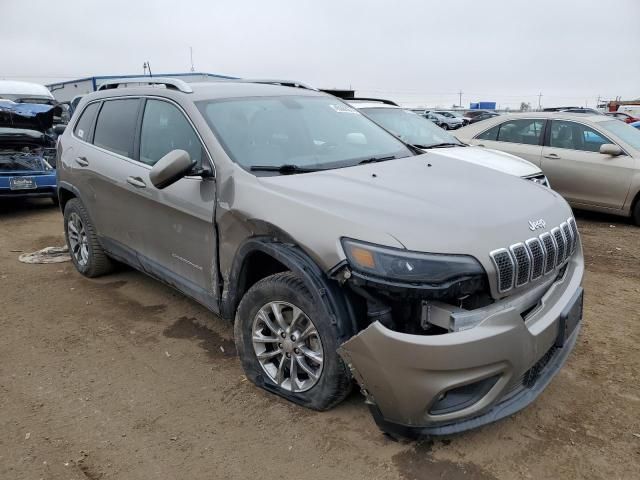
191	57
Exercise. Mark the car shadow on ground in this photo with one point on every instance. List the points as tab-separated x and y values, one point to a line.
11	207
602	217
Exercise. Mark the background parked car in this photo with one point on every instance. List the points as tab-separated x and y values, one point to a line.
592	160
474	116
448	123
27	150
635	124
591	111
625	117
448	114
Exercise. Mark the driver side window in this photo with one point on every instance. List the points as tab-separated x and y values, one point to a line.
165	128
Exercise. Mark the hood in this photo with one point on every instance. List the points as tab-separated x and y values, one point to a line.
503	162
426	203
30	116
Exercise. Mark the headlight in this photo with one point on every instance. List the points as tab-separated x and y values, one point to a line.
541	179
406	266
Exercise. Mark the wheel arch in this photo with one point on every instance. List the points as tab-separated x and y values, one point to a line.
258	256
66	192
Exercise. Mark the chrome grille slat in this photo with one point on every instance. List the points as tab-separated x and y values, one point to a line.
538	258
527	261
558	236
523	263
505	267
568	234
551	251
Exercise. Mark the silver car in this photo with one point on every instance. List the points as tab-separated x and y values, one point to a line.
448	291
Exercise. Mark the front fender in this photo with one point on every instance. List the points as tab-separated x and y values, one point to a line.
325	292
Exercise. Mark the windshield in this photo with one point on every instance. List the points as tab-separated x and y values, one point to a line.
411	128
300	131
626	133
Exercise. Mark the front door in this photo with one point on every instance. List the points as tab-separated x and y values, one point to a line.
175	223
576	169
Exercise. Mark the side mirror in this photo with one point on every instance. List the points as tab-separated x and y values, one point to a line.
59	129
610	149
171	168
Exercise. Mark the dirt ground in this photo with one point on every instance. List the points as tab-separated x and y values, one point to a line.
122	377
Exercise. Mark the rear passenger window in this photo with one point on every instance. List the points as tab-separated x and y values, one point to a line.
165	128
527	132
116	126
491	134
83	127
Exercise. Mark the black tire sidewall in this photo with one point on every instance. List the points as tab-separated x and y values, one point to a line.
74	206
334	374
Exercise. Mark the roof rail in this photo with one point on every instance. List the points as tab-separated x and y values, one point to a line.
284	83
170	83
367	99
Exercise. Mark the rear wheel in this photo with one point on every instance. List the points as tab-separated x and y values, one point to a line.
288	345
86	252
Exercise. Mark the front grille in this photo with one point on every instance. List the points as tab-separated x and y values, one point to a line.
524	262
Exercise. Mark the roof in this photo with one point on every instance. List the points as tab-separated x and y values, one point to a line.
555	115
209	91
111	77
28	89
366	104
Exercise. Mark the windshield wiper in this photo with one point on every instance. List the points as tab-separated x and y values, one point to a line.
376	159
285	169
440	145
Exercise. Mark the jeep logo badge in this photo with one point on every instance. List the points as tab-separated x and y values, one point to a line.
534	225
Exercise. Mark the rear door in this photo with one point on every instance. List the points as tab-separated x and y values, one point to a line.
175	224
520	137
104	139
572	162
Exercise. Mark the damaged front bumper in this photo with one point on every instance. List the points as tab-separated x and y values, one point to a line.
446	384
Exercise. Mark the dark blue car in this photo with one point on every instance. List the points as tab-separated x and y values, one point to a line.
27	150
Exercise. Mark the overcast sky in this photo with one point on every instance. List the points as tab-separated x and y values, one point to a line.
415	52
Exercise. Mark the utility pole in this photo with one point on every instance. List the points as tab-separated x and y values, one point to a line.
540	101
191	56
147	66
460	98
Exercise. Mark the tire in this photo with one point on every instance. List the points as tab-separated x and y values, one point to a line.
636	213
91	261
333	381
445	126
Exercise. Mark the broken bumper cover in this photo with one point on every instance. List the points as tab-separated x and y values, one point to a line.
446	384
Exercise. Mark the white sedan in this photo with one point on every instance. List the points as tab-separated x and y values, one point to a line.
421	133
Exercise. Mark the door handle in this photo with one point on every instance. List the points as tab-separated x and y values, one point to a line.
136	182
552	156
82	161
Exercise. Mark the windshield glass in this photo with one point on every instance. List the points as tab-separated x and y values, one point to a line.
625	132
409	127
302	131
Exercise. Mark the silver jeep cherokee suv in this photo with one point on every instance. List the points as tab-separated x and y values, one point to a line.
449	291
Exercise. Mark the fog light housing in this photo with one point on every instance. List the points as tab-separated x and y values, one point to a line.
462	397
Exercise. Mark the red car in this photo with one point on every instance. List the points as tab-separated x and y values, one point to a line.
625	117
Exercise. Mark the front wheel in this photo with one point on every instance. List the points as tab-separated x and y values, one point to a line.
288	345
636	213
445	126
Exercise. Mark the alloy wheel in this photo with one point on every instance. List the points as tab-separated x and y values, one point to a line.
78	241
288	346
